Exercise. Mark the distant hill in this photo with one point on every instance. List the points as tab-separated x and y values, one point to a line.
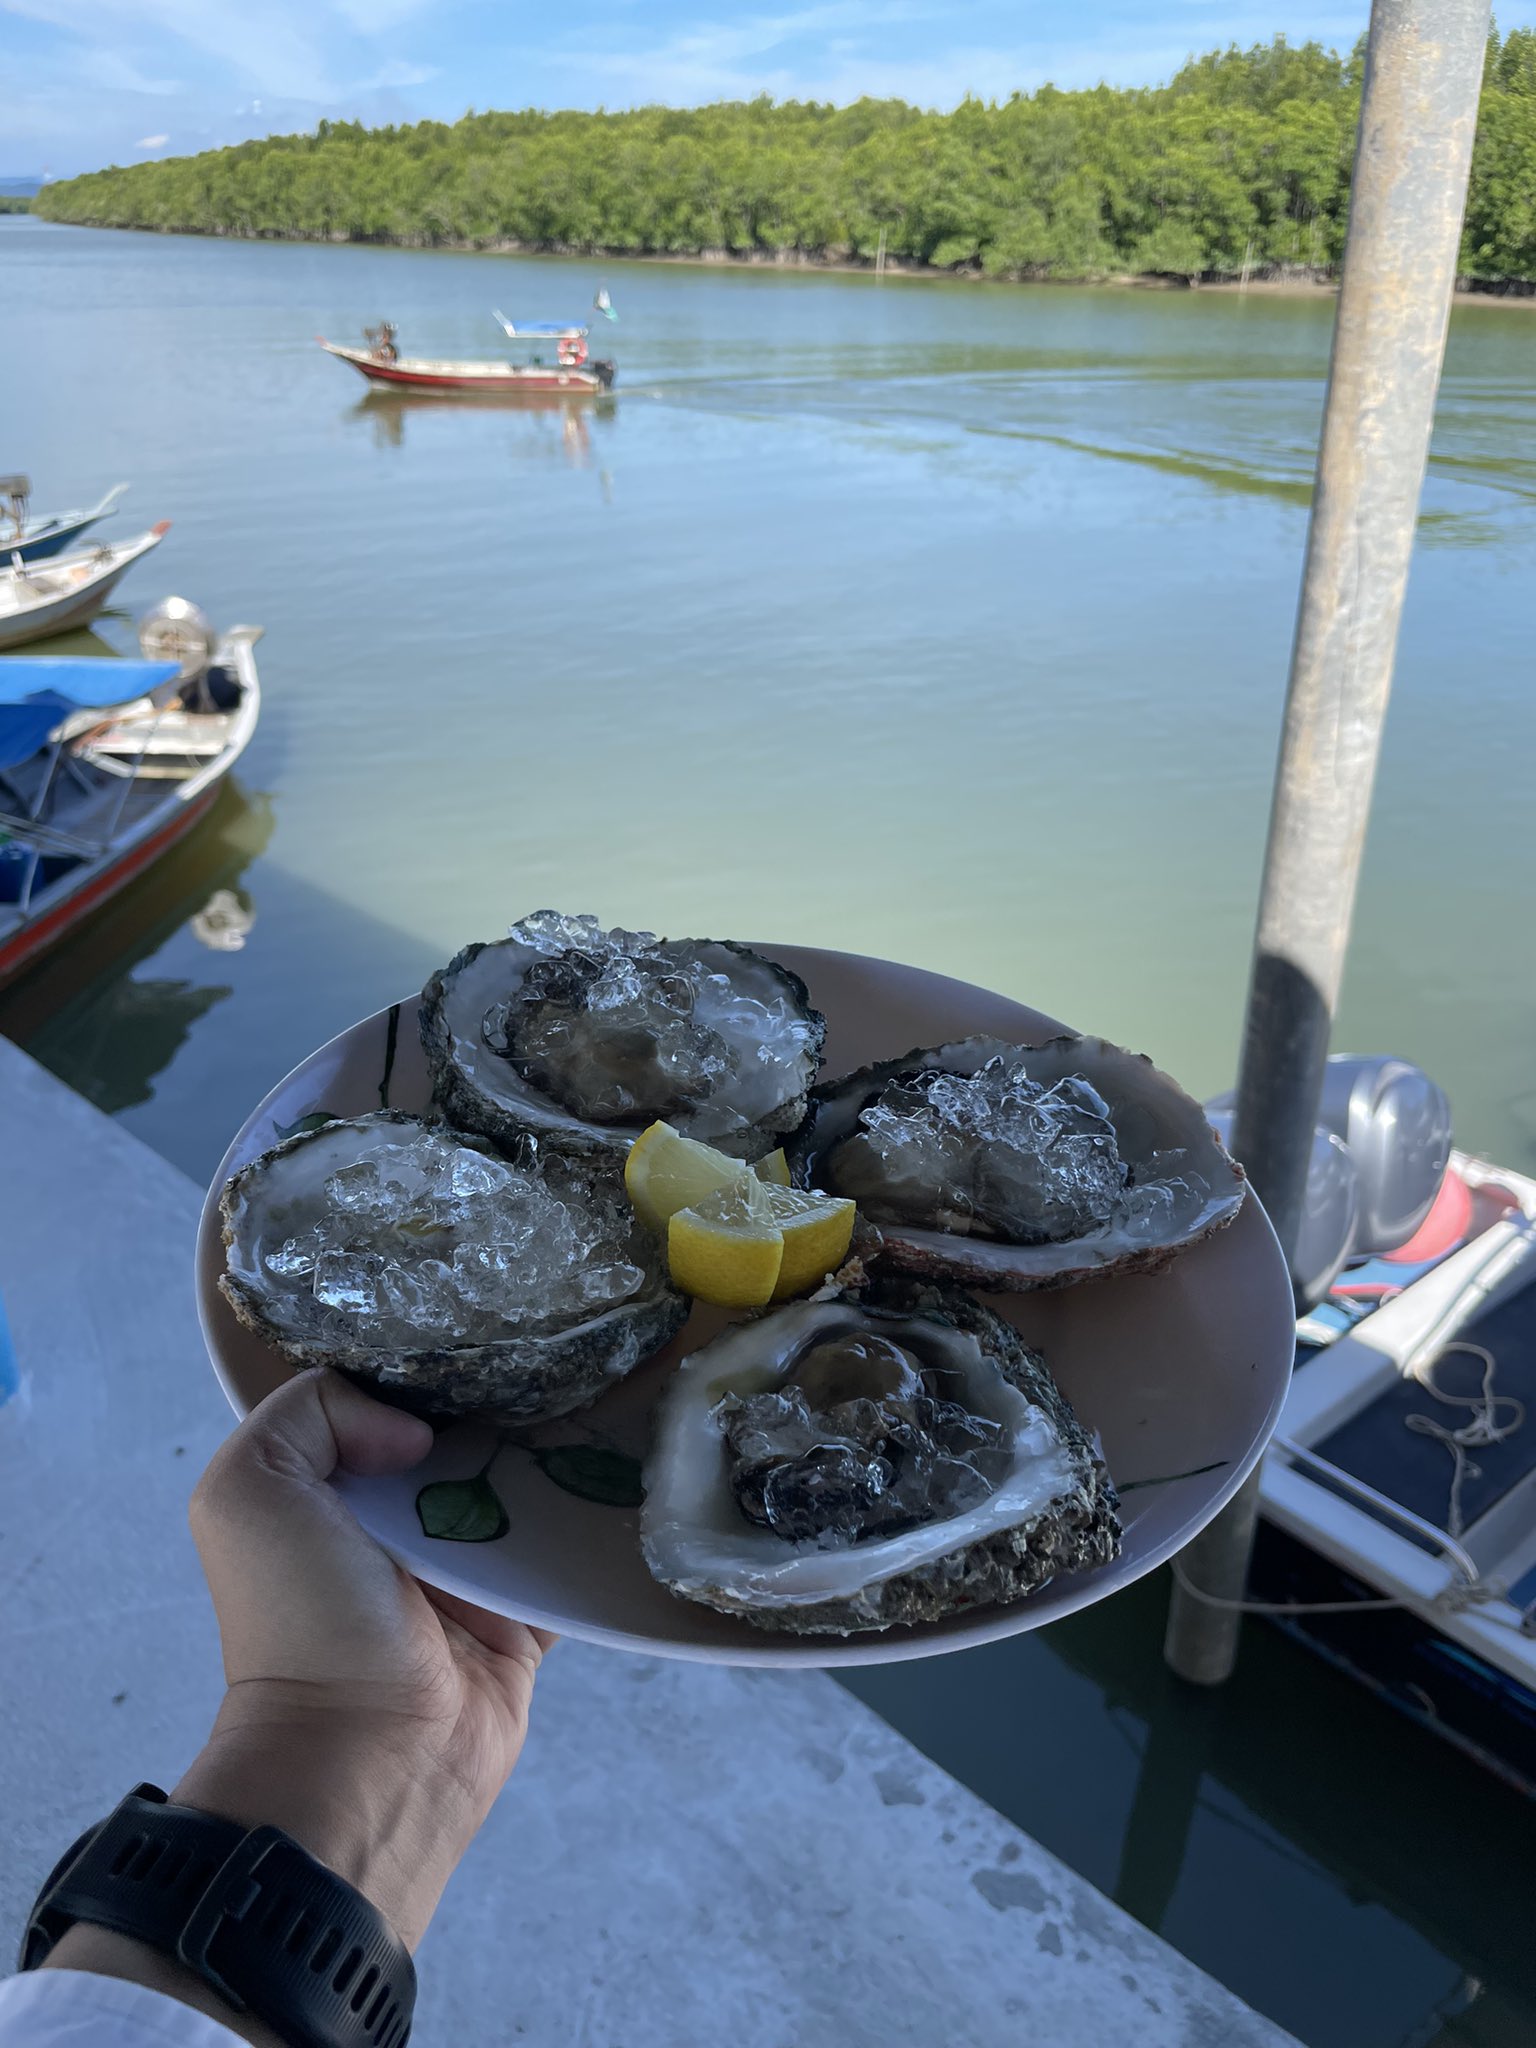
20	188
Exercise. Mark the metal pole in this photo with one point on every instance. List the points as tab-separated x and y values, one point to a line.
1418	113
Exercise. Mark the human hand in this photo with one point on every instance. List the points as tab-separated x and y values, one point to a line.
372	1718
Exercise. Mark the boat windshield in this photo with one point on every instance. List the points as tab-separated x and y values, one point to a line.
569	338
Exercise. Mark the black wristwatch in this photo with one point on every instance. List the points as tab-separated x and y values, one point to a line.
272	1931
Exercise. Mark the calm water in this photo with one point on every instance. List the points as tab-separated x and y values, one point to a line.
919	619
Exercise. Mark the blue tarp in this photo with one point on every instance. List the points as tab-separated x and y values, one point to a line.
87	683
24	728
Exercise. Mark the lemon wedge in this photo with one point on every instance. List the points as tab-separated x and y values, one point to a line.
666	1172
729	1248
817	1230
736	1235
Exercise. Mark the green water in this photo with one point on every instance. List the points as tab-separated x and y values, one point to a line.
921	619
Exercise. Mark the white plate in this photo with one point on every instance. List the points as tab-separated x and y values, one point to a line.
1181	1374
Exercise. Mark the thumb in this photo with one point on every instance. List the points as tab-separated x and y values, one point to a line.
315	1423
302	1592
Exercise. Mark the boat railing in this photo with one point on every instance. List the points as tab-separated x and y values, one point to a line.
1337	1479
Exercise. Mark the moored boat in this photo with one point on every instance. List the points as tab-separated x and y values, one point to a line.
106	764
55	596
572	373
1399	1493
25	537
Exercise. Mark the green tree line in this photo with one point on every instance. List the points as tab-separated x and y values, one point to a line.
12	202
1241	161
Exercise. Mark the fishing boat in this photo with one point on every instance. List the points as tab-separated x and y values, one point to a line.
26	538
41	598
1398	1497
106	764
571	374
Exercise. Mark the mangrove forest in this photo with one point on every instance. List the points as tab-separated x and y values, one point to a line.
1240	165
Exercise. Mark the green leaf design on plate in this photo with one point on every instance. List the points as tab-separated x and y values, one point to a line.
461	1511
609	1478
1167	1479
315	1121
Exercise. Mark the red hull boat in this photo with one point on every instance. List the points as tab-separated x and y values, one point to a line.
570	375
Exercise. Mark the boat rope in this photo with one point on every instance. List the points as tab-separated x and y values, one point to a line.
1453	1599
1493	1419
1481	1428
1187	1585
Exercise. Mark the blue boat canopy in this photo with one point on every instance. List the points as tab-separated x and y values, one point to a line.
38	694
85	682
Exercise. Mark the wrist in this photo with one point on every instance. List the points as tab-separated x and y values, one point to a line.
364	1792
102	1953
239	1921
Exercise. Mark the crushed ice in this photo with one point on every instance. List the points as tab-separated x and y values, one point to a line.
997	1154
839	1471
428	1243
622	1025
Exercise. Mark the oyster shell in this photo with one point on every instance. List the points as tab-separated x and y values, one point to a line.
593	1035
442	1275
806	1487
1009	1167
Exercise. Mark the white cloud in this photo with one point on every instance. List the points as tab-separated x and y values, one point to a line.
368	17
837	52
153	141
115	72
395	76
272	51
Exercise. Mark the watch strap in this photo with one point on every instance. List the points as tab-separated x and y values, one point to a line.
268	1927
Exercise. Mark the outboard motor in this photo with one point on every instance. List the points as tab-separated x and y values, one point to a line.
1331	1213
1379	1157
1397	1125
180	631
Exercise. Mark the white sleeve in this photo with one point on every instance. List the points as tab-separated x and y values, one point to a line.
77	2009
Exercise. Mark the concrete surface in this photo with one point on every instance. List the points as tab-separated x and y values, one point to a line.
687	1857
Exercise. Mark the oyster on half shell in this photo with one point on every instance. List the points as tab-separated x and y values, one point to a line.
891	1456
592	1035
441	1275
1012	1167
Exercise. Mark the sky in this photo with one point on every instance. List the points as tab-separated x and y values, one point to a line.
91	82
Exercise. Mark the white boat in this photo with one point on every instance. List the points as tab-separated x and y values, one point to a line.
1398	1495
34	538
55	596
105	764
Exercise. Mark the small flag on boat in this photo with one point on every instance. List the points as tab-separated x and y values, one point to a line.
603	304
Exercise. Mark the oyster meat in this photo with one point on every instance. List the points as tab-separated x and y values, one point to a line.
1014	1167
441	1274
889	1456
595	1034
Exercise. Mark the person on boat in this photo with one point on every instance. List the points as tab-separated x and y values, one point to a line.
381	341
368	1726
